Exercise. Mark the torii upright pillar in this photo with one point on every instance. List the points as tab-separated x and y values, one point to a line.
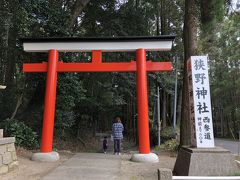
142	106
142	102
49	104
49	111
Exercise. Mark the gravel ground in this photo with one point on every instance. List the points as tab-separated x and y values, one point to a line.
33	170
140	171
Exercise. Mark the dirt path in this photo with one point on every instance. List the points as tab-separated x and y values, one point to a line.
32	170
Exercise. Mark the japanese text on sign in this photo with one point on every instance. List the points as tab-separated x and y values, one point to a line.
200	104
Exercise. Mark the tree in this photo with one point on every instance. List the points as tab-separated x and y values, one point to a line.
198	18
190	48
225	77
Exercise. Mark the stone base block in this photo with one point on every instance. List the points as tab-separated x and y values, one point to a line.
148	158
164	174
204	162
45	157
7	140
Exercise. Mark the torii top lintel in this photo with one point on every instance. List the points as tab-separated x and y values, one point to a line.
105	44
97	46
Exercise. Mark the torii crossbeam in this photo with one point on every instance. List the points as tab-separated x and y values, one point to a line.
97	45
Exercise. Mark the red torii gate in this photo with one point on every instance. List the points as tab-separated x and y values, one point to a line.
141	66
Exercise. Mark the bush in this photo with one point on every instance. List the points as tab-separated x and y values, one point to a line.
25	136
170	145
168	133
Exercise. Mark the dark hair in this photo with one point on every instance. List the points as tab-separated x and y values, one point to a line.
105	137
117	118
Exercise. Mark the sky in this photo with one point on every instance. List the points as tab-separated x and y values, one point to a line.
235	5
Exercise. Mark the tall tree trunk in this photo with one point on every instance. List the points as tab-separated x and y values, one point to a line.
158	18
190	48
164	110
4	32
10	66
179	109
14	7
163	18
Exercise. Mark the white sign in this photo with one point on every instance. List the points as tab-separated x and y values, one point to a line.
2	87
200	104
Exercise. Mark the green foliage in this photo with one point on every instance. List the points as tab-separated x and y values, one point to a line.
212	12
25	136
170	145
78	94
70	93
168	133
224	55
93	94
236	174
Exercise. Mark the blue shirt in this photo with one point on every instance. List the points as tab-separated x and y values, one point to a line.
117	129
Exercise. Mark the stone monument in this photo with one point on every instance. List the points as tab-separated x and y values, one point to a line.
202	158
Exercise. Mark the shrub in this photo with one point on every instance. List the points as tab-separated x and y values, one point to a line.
168	133
25	136
170	145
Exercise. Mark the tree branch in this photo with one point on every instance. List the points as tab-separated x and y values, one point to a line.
76	10
19	102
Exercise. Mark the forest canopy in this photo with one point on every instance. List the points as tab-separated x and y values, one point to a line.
90	101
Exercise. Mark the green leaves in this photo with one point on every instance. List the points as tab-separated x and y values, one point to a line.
86	94
70	92
224	56
25	136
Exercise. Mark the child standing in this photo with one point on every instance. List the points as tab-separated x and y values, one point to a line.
105	144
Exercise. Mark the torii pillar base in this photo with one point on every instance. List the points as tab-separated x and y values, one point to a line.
45	157
145	158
